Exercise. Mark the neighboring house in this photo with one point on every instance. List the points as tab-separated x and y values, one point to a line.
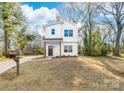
1	44
32	47
1	39
61	39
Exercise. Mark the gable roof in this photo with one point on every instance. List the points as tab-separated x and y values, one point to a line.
60	22
53	24
70	22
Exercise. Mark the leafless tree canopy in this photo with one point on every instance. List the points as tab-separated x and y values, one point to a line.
90	15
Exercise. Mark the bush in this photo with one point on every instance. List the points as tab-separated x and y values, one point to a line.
94	46
33	49
104	50
98	50
40	50
1	53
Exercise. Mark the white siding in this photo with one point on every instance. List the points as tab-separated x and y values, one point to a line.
56	49
59	33
74	49
67	25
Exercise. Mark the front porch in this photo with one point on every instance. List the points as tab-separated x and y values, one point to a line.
52	47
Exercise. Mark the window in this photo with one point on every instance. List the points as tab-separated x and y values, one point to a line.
53	31
68	33
65	49
68	48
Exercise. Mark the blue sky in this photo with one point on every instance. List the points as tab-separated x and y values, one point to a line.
39	13
37	5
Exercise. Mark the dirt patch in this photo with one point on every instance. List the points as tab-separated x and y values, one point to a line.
73	73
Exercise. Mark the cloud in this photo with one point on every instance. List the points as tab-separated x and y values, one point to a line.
109	16
38	17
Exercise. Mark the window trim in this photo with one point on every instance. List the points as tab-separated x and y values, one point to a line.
68	32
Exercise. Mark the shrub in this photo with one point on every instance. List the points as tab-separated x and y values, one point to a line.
94	46
104	50
1	53
40	50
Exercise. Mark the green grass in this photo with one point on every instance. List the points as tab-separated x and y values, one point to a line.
4	59
28	55
122	54
117	57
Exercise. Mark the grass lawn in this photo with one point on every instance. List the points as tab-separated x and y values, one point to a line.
30	55
21	56
4	59
73	73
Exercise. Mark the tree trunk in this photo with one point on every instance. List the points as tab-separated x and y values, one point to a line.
5	36
90	41
117	42
6	42
90	30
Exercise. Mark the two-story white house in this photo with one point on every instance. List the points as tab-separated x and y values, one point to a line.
61	39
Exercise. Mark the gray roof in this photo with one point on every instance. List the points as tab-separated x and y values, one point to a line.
53	39
60	22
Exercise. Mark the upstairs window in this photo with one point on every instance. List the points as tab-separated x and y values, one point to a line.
68	33
53	31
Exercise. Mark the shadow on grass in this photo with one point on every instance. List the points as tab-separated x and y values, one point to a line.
110	64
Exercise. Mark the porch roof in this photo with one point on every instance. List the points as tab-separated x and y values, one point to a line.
53	39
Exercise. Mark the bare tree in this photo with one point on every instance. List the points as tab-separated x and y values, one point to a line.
115	11
70	12
84	13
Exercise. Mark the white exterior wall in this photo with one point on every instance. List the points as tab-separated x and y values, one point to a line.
67	25
74	49
59	33
56	49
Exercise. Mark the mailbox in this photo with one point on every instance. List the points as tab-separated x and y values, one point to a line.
15	57
12	55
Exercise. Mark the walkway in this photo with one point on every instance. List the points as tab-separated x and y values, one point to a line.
4	66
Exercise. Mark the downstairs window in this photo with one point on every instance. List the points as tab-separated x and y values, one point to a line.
68	48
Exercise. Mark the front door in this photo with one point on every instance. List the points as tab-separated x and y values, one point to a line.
50	50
